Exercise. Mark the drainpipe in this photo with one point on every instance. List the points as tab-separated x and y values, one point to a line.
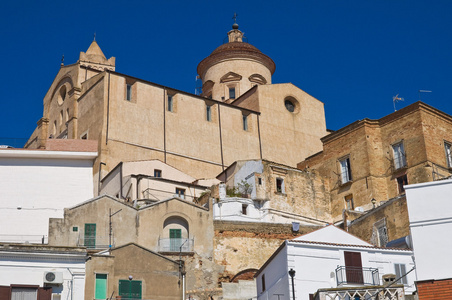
183	285
72	283
100	174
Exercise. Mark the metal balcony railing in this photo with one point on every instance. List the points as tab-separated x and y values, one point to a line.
175	245
95	242
367	293
357	276
24	239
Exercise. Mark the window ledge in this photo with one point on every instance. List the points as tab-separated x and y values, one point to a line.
400	170
281	193
177	253
346	184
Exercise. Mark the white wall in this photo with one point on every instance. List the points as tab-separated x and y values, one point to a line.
28	268
276	278
315	265
38	185
430	214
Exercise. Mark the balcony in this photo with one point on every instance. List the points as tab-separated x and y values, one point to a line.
369	292
95	242
357	276
176	245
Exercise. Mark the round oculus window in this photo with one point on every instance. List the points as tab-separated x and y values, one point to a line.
290	106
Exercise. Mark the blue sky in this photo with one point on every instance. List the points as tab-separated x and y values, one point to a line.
354	56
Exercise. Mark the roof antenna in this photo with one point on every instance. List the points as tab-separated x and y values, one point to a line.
395	99
62	60
423	91
94	37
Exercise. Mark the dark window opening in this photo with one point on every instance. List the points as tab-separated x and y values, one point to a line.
231	93
244	208
170	103
279	185
263	282
349	202
180	193
289	105
401	182
157	173
129	92
259	181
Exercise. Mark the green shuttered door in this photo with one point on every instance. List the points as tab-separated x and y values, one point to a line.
130	289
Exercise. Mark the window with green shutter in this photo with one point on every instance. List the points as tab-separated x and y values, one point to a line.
90	235
101	286
175	239
130	289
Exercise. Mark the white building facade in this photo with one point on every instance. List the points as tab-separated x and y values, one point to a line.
38	185
330	258
430	212
42	272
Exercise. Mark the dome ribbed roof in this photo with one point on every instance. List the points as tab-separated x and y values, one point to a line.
235	50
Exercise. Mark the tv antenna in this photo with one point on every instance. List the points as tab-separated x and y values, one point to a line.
423	91
395	99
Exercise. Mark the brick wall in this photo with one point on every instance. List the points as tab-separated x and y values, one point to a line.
434	289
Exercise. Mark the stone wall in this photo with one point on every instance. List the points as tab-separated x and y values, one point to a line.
240	246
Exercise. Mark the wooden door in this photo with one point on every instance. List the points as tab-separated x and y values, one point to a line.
353	267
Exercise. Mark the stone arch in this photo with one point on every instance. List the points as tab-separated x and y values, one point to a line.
247	274
176	223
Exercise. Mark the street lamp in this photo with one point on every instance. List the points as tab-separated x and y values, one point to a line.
292	275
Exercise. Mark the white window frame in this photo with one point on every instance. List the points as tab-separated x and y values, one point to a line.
400	270
180	192
282	185
399	155
448	150
346	170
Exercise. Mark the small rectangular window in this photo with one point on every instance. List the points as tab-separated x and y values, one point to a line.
401	182
245	123
263	282
170	103
208	113
232	93
400	270
129	92
346	171
180	193
157	173
259	181
279	185
447	148
399	156
349	202
75	229
101	286
244	209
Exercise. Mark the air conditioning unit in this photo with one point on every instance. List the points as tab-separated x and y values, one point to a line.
53	277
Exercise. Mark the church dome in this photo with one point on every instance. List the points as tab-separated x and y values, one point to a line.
235	50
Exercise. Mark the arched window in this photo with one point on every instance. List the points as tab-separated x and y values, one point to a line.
175	234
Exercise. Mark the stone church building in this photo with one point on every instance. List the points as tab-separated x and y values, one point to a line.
239	115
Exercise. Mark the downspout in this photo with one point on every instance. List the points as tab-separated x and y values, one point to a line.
164	126
100	174
221	140
120	182
72	283
259	134
108	107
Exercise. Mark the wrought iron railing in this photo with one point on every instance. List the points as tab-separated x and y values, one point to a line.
176	245
357	276
95	242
